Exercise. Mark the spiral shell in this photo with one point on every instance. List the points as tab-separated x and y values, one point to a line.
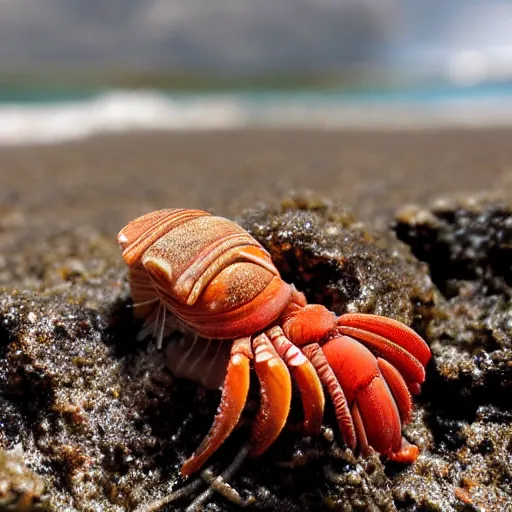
206	270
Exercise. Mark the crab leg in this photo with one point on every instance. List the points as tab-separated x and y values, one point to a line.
374	411
381	419
398	387
232	402
310	387
395	342
364	447
315	354
407	454
391	329
276	395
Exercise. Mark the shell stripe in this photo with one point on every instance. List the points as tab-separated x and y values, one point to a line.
211	260
151	230
242	321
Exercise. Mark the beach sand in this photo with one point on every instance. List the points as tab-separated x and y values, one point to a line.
107	180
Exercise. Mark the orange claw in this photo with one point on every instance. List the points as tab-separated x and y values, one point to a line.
276	395
232	402
313	399
308	382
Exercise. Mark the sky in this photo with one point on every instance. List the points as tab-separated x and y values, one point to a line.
253	36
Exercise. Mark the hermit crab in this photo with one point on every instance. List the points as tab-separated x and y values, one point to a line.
221	284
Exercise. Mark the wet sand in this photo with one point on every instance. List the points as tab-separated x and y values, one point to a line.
106	180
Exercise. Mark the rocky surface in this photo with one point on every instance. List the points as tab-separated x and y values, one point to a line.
466	244
90	419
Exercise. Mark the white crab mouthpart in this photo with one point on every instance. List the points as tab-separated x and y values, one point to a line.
199	361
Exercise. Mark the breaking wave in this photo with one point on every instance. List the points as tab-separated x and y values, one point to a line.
121	111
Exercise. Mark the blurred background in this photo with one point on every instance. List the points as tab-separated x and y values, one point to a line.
70	68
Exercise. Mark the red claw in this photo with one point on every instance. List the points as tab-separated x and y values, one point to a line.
378	389
376	417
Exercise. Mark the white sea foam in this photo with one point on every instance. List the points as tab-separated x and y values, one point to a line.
120	111
116	111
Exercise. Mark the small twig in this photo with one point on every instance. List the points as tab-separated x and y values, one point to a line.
216	484
219	484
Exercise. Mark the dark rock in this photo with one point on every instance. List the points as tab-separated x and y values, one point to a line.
466	244
337	262
104	426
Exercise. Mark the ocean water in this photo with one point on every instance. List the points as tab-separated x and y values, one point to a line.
45	117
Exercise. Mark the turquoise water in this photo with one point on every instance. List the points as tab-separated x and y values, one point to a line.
53	115
426	94
25	95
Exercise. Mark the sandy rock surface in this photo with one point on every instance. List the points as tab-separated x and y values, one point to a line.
91	419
